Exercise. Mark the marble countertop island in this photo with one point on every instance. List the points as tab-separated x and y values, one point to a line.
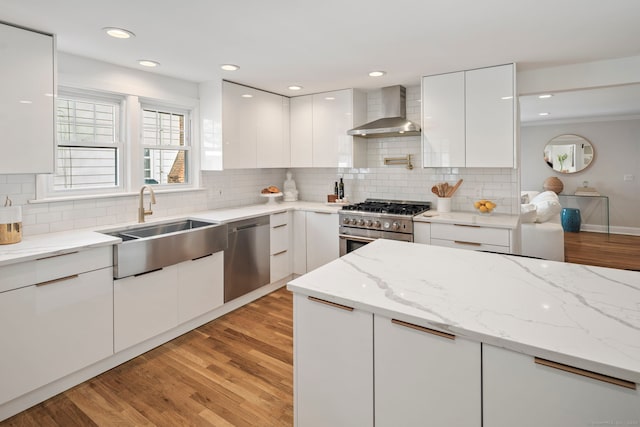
584	316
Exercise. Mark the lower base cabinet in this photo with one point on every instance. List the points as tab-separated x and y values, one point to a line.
333	363
54	328
423	377
517	391
144	306
200	286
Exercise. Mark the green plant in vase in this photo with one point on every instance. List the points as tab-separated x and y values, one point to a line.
561	159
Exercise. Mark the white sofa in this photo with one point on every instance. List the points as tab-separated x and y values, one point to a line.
542	239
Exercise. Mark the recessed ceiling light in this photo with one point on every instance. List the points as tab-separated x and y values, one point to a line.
377	73
295	87
330	98
229	67
247	95
148	63
24	101
507	97
545	96
543	114
118	33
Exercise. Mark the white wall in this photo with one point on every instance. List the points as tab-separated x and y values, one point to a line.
617	153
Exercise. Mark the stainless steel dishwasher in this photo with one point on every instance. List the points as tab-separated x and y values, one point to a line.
246	259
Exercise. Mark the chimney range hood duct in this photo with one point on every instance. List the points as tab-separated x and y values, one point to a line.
394	122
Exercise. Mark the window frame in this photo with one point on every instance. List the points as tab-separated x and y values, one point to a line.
47	185
187	148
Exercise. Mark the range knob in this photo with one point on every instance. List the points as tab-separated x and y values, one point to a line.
395	226
345	220
361	222
369	223
377	224
354	221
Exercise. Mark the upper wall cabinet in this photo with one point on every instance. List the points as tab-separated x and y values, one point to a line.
469	118
27	101
319	125
255	128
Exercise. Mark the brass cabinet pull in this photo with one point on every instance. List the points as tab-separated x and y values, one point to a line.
62	279
423	329
332	304
585	373
466	225
462	242
200	257
279	253
322	213
55	256
278	226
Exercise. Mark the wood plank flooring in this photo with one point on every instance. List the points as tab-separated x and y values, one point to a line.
601	249
235	370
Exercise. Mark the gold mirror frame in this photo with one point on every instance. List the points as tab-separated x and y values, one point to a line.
569	153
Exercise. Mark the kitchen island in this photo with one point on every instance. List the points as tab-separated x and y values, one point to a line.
440	336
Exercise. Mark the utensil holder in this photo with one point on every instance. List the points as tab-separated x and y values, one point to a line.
444	204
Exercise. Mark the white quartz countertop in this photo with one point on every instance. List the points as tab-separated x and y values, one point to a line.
584	316
494	220
41	245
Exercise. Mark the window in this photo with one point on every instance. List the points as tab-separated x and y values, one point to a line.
165	146
88	147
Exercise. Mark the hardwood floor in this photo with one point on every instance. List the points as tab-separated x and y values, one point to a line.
605	250
236	370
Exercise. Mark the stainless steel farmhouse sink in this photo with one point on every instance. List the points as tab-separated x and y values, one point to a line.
147	247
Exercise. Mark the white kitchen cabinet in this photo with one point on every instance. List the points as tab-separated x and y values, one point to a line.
280	245
51	329
422	233
475	237
323	244
144	306
200	286
301	125
421	374
518	391
319	125
27	101
255	128
333	364
469	118
299	242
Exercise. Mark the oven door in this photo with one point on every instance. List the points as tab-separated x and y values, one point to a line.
351	243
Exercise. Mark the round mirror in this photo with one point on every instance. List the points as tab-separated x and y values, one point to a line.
568	153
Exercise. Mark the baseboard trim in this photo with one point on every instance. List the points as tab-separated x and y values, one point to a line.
594	228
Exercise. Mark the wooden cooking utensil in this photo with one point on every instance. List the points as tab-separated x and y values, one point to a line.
434	190
454	188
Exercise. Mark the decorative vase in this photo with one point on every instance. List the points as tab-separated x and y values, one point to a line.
570	220
553	184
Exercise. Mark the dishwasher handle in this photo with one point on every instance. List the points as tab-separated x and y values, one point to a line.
236	226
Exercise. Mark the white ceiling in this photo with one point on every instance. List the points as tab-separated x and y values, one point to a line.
332	44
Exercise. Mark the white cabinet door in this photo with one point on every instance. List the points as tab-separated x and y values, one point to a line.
27	102
272	143
323	244
422	232
280	245
200	286
55	328
299	242
332	118
490	117
518	391
239	126
423	376
144	306
301	124
443	118
333	365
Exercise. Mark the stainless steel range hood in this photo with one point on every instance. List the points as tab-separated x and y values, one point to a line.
394	121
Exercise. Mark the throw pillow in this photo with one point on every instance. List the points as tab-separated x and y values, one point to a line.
547	205
528	213
524	199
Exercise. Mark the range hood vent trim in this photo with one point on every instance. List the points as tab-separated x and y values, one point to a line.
394	123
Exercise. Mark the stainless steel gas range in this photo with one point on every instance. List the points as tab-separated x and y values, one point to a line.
362	223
